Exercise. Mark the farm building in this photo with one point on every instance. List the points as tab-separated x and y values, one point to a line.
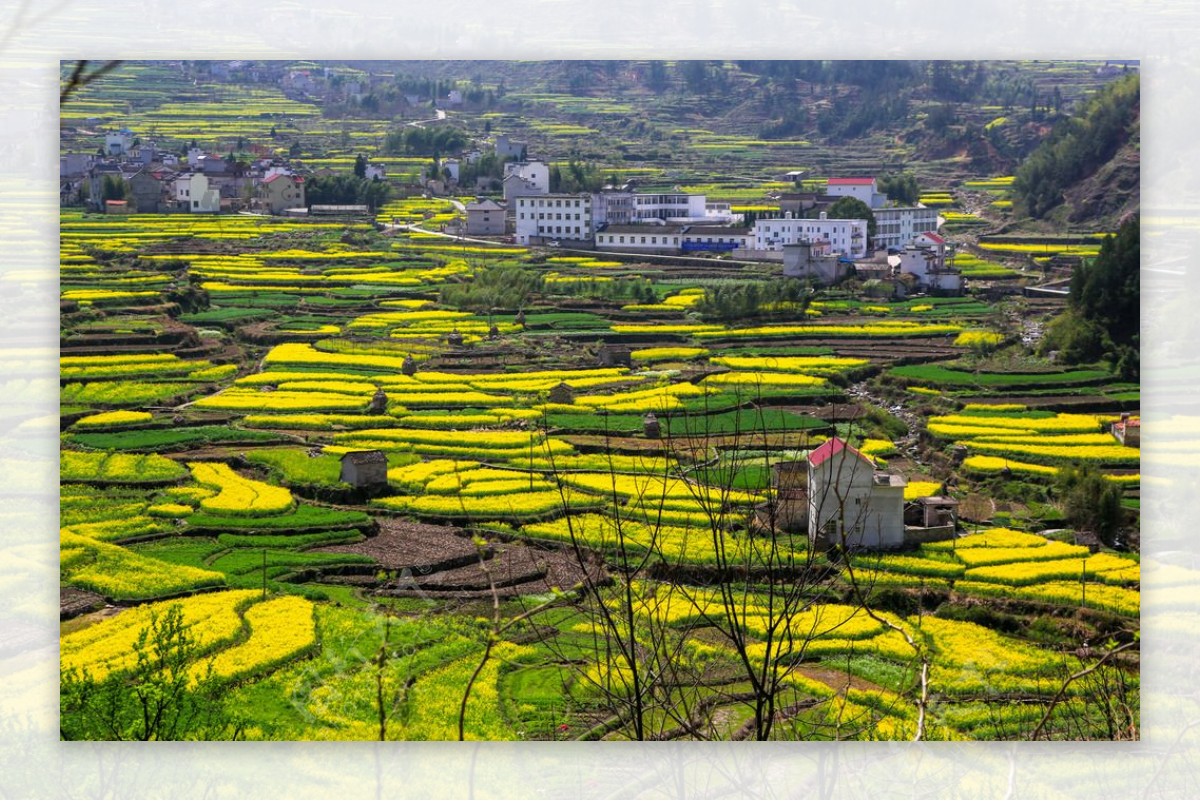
485	217
562	393
614	356
364	468
850	502
1128	431
280	192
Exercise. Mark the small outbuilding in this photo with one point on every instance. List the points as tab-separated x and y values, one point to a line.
378	404
1128	431
364	468
562	393
615	356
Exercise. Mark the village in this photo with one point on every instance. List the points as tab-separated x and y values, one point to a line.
360	355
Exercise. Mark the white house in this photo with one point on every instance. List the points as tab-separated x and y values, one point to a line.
544	218
843	237
718	211
118	143
193	192
641	238
864	189
925	259
450	166
536	173
850	502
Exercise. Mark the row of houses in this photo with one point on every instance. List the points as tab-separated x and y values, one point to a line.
642	221
152	181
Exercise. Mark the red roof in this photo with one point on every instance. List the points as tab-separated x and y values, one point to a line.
937	240
830	447
294	178
850	181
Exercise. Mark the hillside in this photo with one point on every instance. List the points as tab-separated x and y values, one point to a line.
1086	171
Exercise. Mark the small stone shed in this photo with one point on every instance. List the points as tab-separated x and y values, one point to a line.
364	468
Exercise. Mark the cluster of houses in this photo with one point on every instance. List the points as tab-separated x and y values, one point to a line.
158	181
801	234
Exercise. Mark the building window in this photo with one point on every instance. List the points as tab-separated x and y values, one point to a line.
622	240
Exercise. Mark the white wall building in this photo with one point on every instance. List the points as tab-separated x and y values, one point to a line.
669	207
844	237
612	207
192	192
544	218
720	212
535	172
925	259
118	143
850	502
641	238
897	226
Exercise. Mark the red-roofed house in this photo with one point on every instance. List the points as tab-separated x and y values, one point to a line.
865	189
851	503
1128	431
281	191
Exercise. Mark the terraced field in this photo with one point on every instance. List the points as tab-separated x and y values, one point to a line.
580	522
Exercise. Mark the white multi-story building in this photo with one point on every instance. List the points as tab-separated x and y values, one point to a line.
669	207
898	226
546	218
845	237
612	207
